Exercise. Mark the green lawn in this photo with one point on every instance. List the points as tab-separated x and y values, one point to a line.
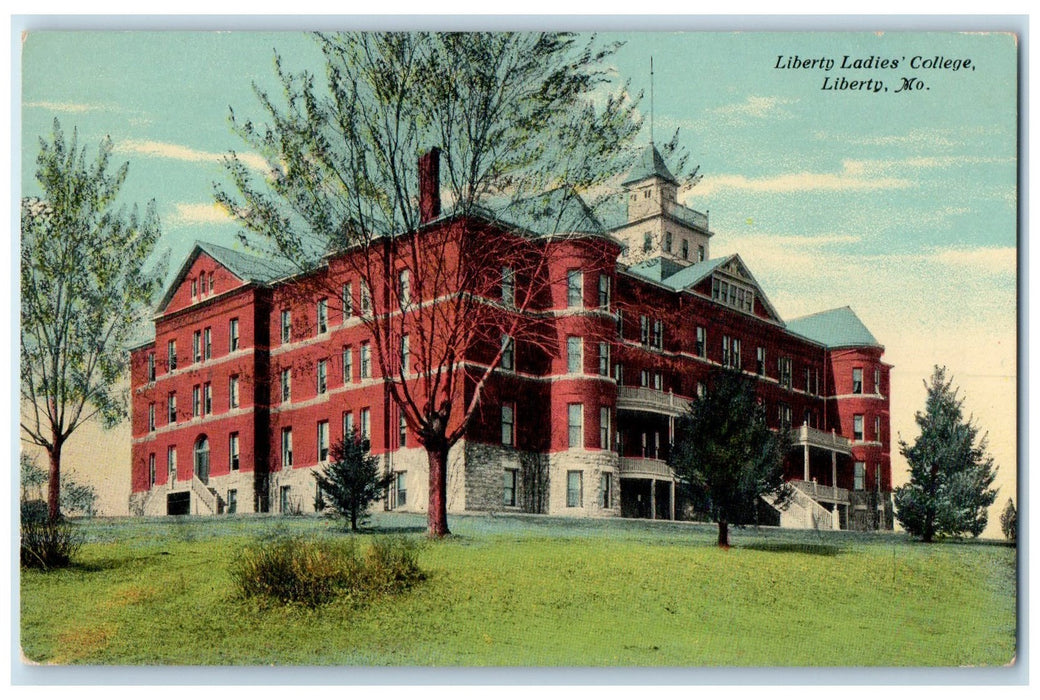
534	591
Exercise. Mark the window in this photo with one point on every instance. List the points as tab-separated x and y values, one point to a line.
233	391
323	440
212	287
877	380
604	488
202	282
196	346
508	424
196	401
574	489
207	343
648	240
574	355
658	381
348	425
347	300
807	418
171	463
508	287
702	390
619	373
323	316
857	426
323	377
785	415
151	469
194	288
877	428
366	424
232	501
287	447
668	241
644	330
725	351
574	289
402	431
151	366
604	359
604	291
575	429
644	377
171	354
620	324
702	341
857	380
732	294
657	340
366	362
284	499
171	407
348	365
808	380
700	253
508	357
286	325
286	385
233	451
405	354
404	287
760	361
366	299
509	487
233	334
207	398
859	479
735	354
400	489
685	249
784	365
604	428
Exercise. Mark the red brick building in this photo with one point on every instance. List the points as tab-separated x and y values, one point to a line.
252	375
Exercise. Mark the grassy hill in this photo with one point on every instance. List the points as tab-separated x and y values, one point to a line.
535	591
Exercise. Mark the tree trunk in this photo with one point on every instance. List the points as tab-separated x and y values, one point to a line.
353	519
724	534
437	512
54	483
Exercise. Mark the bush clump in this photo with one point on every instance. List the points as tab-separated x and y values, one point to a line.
314	572
46	544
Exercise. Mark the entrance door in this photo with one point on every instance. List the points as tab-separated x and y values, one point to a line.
202	459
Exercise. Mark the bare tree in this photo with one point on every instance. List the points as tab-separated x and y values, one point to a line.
83	286
524	122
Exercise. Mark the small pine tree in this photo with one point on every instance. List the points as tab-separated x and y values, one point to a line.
950	473
725	454
1009	521
351	481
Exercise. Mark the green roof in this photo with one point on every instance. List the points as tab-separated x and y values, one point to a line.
650	164
836	328
248	267
675	275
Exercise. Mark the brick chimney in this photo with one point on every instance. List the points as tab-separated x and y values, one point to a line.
430	185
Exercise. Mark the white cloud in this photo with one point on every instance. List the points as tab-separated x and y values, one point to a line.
991	261
174	151
67	107
755	107
186	213
852	178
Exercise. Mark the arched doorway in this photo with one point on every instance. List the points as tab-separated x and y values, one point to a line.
202	459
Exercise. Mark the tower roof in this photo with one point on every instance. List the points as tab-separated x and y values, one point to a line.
836	328
649	164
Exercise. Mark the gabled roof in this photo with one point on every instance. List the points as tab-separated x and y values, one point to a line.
836	328
650	164
248	267
561	210
663	271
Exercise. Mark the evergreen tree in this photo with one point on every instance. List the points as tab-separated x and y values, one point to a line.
950	472
351	481
725	454
1009	521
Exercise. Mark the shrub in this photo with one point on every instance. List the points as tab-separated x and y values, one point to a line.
48	545
314	572
34	511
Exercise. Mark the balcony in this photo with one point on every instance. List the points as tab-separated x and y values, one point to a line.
811	437
637	398
690	217
644	468
819	492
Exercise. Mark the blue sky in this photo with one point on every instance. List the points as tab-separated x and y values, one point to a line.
899	204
